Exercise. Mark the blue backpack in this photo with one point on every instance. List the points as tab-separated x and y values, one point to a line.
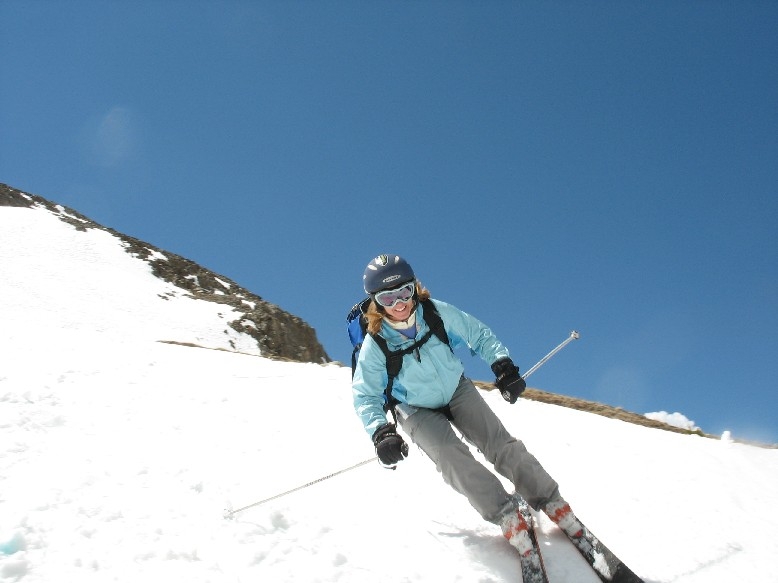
357	330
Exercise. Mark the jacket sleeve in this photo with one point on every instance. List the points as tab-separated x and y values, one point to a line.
368	386
465	330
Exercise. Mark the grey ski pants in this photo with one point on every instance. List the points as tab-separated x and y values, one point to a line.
432	432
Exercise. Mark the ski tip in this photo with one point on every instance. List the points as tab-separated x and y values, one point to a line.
625	575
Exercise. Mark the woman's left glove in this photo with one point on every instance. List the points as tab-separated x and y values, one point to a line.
390	447
508	380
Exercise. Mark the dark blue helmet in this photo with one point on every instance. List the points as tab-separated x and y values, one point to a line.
386	272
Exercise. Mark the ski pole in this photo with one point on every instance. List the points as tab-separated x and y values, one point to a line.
230	513
573	336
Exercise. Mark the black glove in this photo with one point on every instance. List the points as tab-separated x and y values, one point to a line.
508	380
389	446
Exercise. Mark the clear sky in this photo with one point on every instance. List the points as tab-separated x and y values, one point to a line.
609	167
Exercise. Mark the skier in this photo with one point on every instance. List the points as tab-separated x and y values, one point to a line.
431	394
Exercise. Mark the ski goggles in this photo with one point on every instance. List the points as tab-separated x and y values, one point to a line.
390	297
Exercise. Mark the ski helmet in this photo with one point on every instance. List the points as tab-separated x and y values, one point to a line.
386	272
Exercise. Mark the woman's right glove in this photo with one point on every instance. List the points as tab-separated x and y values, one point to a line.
390	447
508	380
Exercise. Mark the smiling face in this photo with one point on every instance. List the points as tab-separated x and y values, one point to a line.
397	302
401	311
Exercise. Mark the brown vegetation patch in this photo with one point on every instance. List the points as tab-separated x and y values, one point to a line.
610	412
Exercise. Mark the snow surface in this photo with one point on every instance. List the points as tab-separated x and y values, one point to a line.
56	278
120	454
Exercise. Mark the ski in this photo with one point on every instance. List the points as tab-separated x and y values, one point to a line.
609	567
532	568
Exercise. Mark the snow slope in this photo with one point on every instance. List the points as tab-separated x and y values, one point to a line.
120	454
72	281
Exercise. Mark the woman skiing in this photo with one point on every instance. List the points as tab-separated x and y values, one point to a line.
430	394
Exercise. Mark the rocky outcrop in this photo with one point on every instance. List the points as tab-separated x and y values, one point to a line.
278	333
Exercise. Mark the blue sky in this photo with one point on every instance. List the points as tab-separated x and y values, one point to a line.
608	167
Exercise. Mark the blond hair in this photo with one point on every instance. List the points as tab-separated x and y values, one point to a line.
375	314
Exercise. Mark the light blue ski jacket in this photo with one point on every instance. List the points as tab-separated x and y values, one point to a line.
427	379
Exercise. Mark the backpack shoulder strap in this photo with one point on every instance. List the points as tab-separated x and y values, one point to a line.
435	322
394	362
